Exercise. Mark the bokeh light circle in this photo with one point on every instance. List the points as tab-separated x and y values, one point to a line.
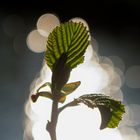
46	23
36	42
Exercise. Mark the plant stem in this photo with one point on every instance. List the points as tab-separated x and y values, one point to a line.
51	126
70	104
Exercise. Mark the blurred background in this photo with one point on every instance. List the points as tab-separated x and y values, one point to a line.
114	24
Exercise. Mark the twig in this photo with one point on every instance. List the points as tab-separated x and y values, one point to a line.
70	104
51	126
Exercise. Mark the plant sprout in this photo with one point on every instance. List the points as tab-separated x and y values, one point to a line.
66	46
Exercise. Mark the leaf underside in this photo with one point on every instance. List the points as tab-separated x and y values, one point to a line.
70	87
111	110
69	38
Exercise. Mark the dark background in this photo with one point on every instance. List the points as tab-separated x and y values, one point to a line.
114	24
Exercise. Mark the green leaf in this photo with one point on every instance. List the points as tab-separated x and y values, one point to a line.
70	87
70	39
111	110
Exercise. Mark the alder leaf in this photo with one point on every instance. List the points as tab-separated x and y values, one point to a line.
66	46
111	110
69	38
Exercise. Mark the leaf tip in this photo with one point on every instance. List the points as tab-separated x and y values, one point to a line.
34	97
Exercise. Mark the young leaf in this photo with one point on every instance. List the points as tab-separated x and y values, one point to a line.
110	109
67	89
48	95
69	38
62	99
66	46
70	87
